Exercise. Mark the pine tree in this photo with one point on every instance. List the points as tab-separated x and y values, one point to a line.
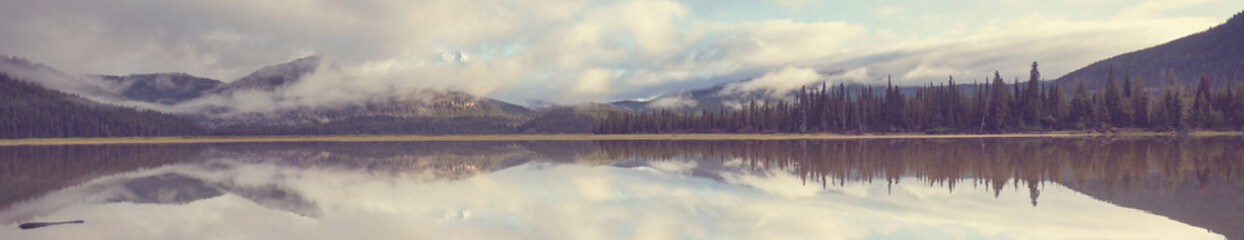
802	110
1055	106
999	108
1140	104
1201	106
1172	104
1078	117
1032	98
1114	102
954	110
893	104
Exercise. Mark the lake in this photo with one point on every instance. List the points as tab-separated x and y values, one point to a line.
990	188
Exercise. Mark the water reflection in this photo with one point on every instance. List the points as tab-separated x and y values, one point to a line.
978	188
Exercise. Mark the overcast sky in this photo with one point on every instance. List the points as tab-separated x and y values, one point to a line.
568	51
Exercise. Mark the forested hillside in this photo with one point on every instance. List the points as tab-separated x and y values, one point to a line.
28	110
997	107
1216	53
163	88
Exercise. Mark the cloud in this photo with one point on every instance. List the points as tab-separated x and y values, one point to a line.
855	75
925	71
90	87
681	101
593	81
1059	44
776	84
651	25
793	4
1151	9
778	42
540	50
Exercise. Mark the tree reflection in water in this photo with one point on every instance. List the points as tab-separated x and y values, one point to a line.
1195	181
991	162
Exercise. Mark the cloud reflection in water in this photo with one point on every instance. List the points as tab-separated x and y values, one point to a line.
677	198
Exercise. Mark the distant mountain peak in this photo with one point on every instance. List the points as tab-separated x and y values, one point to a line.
272	77
164	88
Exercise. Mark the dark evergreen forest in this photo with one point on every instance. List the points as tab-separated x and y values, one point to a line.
28	110
996	107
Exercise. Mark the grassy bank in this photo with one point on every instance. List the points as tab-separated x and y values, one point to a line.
572	137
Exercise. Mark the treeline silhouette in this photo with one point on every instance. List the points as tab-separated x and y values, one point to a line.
28	110
995	107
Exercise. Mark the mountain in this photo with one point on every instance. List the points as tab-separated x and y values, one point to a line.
569	119
732	95
690	101
51	78
416	112
215	107
163	88
1216	52
272	77
28	110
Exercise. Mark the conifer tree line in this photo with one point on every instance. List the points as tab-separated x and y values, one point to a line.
993	107
28	110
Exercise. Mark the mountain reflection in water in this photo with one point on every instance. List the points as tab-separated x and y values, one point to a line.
850	189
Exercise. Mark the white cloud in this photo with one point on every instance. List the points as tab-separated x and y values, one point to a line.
925	71
1151	9
854	75
520	50
651	25
775	182
680	101
1059	44
593	81
777	84
778	42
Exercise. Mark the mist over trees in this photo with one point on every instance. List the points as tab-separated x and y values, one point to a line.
28	110
994	107
32	111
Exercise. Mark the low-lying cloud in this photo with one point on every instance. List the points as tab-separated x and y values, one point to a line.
680	101
564	52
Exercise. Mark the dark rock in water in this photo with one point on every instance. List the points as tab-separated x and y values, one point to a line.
34	225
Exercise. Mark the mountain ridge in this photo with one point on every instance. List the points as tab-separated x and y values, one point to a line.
33	111
207	102
1215	52
163	88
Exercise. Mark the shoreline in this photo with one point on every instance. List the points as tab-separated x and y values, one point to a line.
573	137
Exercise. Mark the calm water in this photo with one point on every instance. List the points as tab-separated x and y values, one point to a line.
857	189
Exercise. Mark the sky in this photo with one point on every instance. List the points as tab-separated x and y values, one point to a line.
571	51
